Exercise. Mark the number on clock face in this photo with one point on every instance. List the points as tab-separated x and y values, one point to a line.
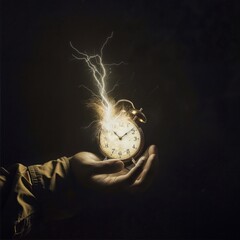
122	141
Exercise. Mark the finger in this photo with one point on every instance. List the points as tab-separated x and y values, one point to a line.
149	169
151	150
92	164
129	178
106	166
144	182
147	175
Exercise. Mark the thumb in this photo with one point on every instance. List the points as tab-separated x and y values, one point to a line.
107	166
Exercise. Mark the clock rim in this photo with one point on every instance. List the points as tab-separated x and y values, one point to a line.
136	154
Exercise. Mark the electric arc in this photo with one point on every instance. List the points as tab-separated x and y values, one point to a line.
119	135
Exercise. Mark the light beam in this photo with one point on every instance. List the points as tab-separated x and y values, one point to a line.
106	108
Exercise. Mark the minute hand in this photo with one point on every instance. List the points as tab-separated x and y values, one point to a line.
126	133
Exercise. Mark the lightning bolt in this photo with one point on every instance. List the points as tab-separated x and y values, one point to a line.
104	106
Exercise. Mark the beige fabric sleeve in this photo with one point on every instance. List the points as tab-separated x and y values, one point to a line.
55	189
38	193
20	204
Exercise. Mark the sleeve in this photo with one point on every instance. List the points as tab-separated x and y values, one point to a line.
38	193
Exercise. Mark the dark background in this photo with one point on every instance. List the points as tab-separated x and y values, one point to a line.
183	68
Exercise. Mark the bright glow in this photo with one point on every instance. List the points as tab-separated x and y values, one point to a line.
109	112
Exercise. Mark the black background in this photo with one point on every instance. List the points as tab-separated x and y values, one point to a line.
182	67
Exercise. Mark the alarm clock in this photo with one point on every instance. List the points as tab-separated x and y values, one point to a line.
124	140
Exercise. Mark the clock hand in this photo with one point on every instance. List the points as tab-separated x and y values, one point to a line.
126	133
117	135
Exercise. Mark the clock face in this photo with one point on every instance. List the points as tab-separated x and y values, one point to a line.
123	140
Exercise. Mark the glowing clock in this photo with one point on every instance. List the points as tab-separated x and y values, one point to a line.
124	139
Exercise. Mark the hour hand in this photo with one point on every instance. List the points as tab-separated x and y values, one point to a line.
117	135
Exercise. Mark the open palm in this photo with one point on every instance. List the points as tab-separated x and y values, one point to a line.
110	175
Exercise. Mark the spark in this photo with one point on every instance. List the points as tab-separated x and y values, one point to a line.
107	110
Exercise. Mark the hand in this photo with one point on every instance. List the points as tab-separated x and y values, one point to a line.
110	175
